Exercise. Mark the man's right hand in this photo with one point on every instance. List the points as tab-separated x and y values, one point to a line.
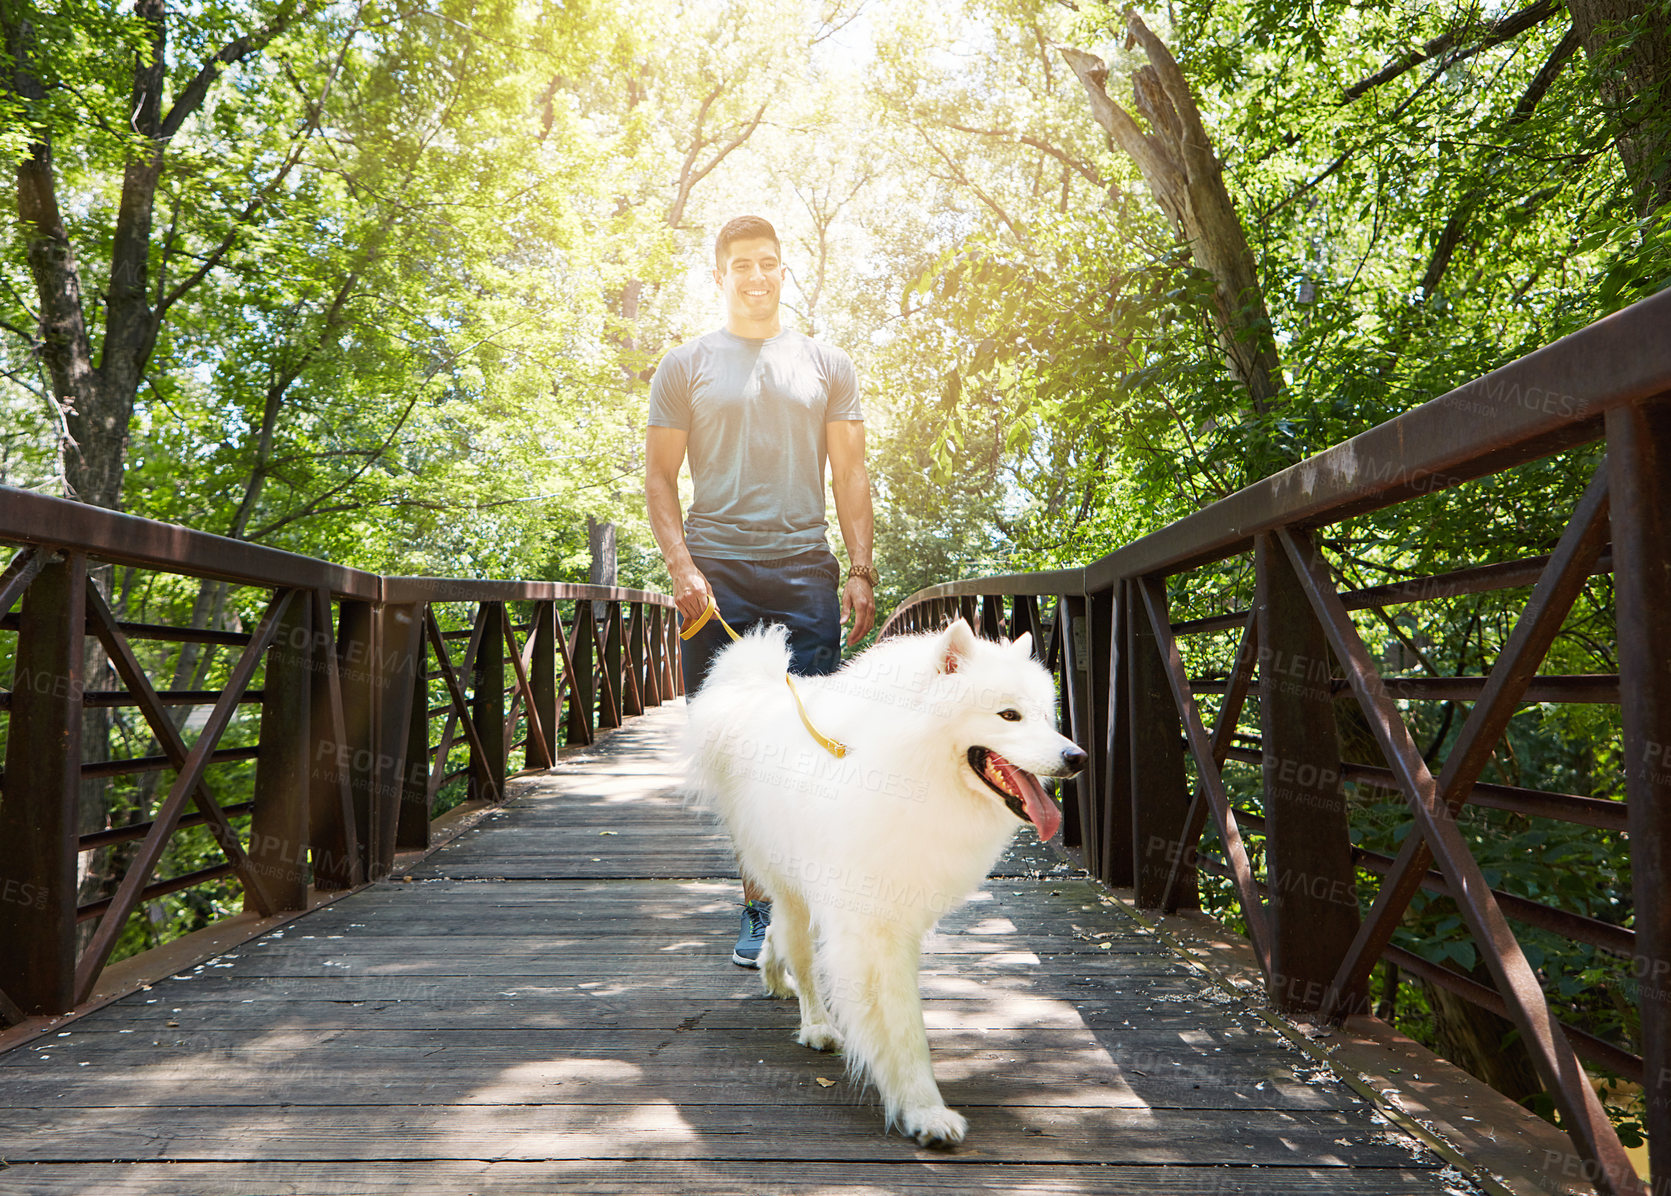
691	592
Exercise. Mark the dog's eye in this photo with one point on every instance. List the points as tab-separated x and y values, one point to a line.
1010	716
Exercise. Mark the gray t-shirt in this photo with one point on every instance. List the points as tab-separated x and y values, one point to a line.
755	412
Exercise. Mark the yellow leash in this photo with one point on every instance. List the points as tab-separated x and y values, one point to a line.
833	746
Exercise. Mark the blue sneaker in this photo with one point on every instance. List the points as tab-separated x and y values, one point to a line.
757	915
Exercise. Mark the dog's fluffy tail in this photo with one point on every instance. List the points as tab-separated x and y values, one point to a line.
724	713
761	655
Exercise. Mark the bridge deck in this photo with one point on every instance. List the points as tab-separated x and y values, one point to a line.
547	1003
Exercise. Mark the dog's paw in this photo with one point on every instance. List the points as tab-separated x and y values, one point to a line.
774	970
819	1037
935	1126
778	982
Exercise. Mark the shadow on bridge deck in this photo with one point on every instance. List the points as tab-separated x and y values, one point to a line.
547	1004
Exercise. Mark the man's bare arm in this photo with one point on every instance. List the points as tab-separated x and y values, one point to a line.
845	440
664	454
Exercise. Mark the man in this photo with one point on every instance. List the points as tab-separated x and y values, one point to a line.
759	408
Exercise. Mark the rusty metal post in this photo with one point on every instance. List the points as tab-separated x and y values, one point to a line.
610	709
335	835
487	707
1099	619
582	702
1308	844
397	675
655	670
636	681
38	810
278	835
1160	799
411	825
542	679
675	683
1024	618
1117	849
1085	648
1639	469
1071	676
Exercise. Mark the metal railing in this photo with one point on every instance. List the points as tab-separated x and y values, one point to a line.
1139	819
375	694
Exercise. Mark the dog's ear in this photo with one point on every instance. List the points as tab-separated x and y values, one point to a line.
953	646
1022	645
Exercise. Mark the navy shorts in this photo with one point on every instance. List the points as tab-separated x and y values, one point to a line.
799	592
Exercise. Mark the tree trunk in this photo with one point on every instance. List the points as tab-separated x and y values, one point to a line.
64	348
1481	1043
600	539
130	330
1187	181
1630	49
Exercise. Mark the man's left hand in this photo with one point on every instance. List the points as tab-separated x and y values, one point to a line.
859	602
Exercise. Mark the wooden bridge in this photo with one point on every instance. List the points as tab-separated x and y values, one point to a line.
545	1000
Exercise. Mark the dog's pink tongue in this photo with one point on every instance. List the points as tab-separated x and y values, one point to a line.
1044	814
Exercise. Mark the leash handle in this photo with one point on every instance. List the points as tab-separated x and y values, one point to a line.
711	611
833	746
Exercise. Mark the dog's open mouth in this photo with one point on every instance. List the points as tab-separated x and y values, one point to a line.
1020	790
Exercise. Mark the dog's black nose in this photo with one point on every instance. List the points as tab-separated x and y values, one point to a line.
1074	758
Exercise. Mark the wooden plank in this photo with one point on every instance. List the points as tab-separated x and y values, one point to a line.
579	936
1058	1050
688	1076
706	984
831	1129
905	1176
1103	968
280	1007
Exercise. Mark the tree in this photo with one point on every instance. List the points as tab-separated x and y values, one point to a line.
93	382
1629	46
1186	178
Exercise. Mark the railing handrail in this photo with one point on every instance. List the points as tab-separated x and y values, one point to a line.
1536	405
117	537
396	590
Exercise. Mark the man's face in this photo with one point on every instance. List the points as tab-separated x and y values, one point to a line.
752	279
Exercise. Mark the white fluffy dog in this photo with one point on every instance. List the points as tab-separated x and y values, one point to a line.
862	854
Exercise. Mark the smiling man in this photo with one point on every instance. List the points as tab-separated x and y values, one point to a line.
758	409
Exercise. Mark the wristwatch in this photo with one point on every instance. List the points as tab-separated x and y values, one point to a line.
868	572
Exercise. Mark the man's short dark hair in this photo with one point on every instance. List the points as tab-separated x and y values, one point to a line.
743	228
